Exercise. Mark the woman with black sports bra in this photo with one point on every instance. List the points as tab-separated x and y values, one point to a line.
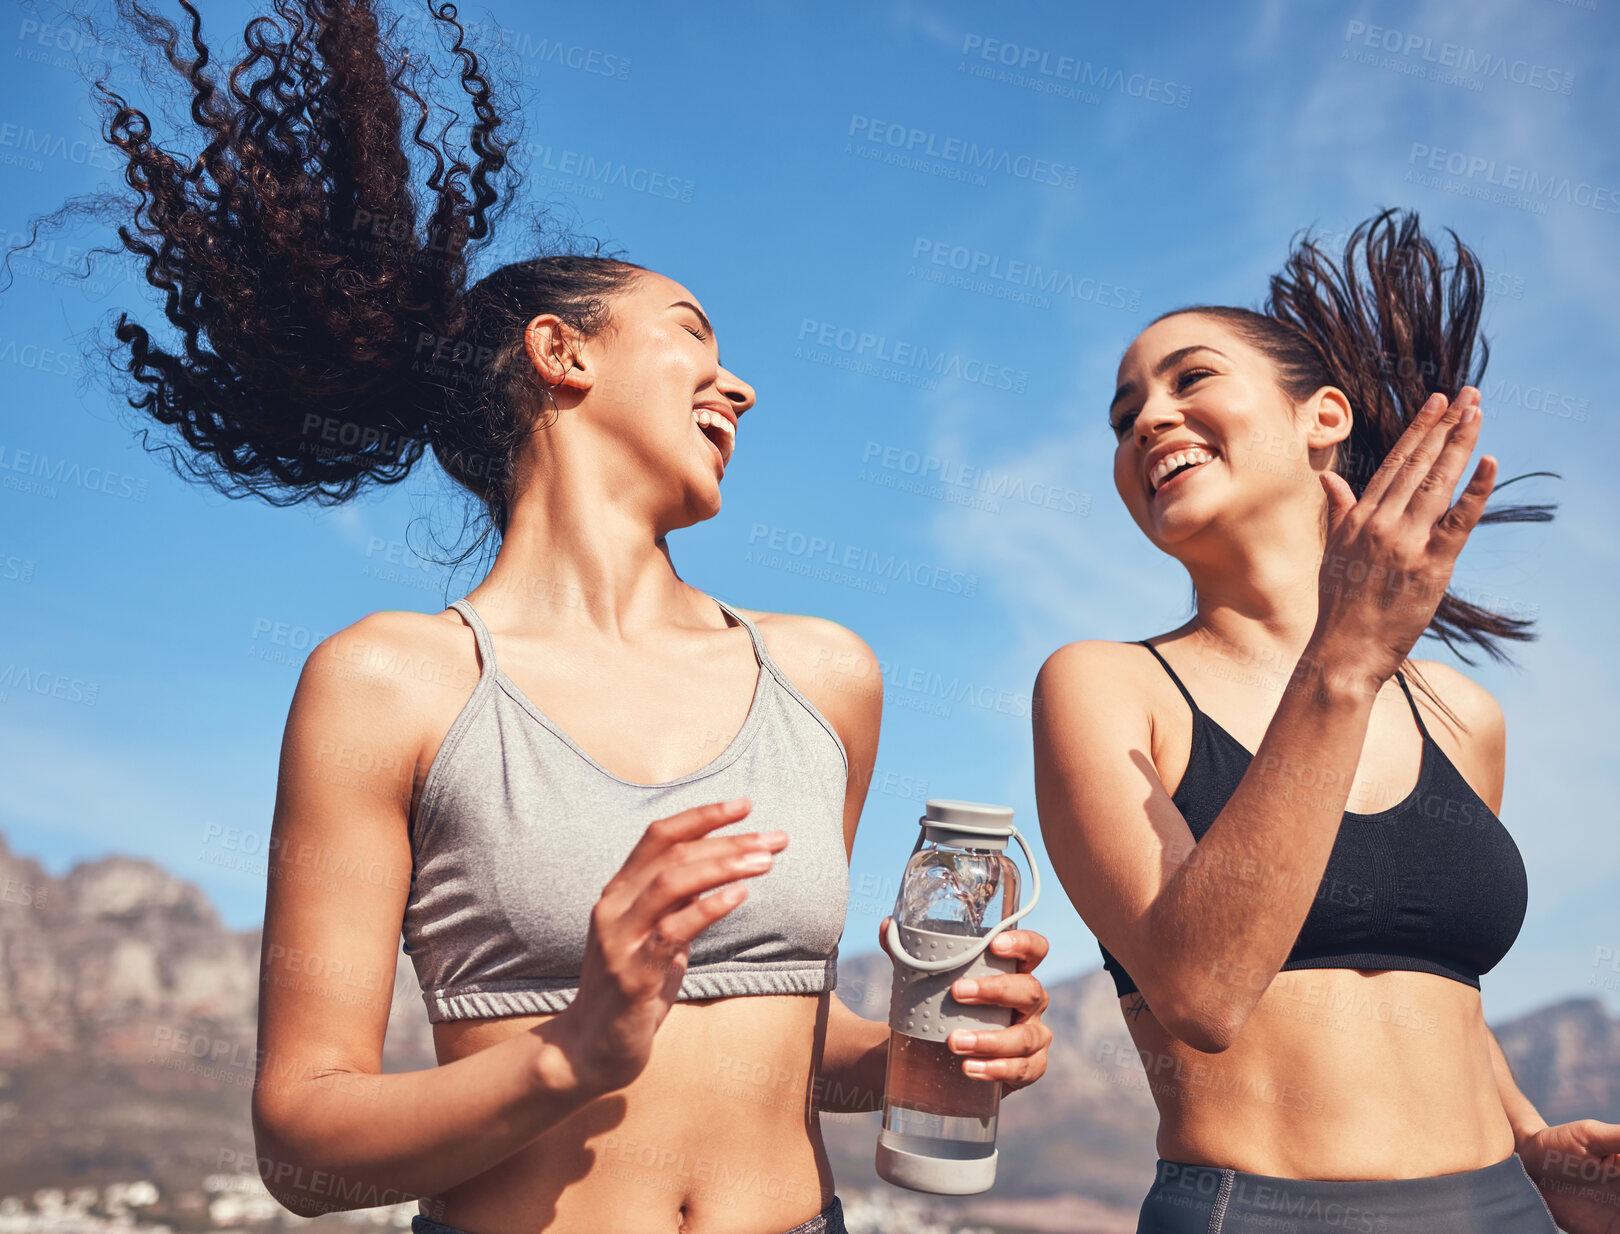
610	814
1282	830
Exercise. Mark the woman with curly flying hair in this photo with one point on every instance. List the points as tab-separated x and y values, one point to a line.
611	814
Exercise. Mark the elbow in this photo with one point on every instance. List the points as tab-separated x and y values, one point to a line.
1204	1033
1207	1025
277	1169
283	1170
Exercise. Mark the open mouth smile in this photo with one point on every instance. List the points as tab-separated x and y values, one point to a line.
720	432
1176	464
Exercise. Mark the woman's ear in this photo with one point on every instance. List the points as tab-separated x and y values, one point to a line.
553	348
1329	415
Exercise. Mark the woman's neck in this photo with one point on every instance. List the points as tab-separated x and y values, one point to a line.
1260	594
574	556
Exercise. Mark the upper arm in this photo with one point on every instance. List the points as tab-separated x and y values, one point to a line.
833	667
1481	751
340	863
1112	833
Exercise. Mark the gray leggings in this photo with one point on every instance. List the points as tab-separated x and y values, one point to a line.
829	1220
1204	1199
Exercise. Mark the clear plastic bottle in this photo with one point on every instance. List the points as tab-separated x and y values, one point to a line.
960	890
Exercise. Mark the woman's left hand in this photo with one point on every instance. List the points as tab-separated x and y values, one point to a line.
1015	1055
1576	1166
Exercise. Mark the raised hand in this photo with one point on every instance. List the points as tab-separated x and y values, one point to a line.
641	928
1389	556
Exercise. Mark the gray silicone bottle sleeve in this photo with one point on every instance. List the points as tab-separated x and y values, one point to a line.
920	1004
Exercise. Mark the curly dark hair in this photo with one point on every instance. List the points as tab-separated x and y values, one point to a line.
313	258
1389	324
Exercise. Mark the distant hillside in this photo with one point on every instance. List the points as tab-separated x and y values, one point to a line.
128	1022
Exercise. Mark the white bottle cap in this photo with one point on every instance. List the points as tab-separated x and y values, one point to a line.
968	824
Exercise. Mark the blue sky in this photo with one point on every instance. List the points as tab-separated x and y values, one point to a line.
800	168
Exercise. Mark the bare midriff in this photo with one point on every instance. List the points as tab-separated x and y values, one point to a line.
715	1136
1338	1074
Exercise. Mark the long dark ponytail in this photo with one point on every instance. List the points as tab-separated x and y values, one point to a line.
314	258
1389	324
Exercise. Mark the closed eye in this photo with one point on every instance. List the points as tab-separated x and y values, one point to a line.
1189	376
1121	425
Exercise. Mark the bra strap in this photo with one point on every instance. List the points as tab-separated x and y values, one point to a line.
1412	703
760	651
486	645
1172	672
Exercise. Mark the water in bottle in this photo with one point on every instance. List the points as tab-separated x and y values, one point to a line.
959	890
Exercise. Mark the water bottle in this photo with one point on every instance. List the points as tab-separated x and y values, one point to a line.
959	891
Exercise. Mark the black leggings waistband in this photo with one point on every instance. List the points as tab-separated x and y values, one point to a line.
1205	1199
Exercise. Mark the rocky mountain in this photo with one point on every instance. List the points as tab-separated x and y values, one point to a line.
127	1037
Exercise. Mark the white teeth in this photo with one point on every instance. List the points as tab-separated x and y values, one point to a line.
708	419
1167	464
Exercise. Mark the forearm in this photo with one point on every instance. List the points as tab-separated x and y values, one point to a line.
1522	1114
850	1075
343	1139
1231	909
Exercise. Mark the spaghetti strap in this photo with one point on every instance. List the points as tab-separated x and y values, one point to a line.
760	652
486	645
1413	704
1172	672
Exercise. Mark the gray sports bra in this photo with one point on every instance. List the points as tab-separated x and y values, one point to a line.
518	829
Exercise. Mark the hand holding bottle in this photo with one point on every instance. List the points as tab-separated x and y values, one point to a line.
1015	1055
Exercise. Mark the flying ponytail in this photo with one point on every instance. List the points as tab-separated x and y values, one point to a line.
314	262
1389	324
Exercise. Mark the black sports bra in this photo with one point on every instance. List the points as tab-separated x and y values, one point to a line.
1434	884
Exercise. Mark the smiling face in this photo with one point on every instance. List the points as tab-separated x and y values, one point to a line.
1208	440
650	395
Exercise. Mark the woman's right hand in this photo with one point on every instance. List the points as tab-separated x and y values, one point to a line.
1389	556
641	928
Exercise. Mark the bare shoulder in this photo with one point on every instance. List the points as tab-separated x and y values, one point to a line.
830	665
1092	656
1472	703
1089	675
797	640
393	654
1479	747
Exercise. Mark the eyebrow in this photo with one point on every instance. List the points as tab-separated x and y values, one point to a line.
706	325
1164	366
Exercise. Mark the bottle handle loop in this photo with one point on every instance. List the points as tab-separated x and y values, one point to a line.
899	952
